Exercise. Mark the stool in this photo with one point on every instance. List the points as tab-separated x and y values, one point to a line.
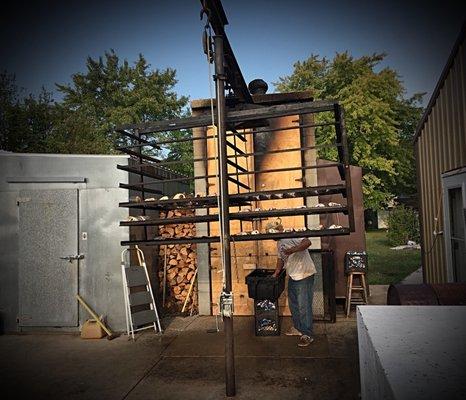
362	288
355	265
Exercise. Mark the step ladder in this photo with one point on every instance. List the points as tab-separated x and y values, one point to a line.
138	293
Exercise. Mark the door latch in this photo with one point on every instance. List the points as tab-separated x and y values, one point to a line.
73	257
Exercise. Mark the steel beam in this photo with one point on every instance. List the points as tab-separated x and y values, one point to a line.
250	196
234	77
244	215
235	133
240	238
232	117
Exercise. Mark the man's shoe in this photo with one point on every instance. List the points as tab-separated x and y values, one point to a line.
305	341
293	332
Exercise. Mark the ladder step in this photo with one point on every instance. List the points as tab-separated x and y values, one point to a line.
135	276
140	298
143	317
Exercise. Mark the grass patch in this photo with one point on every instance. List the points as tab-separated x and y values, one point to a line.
388	266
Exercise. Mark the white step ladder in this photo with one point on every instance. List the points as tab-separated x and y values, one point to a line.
132	277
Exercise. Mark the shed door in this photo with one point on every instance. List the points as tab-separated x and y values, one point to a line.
48	230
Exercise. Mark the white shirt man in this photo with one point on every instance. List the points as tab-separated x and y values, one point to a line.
293	255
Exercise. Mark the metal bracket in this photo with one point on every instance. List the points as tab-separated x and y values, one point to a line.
226	304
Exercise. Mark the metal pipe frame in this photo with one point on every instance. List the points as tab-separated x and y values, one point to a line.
244	215
138	189
240	238
339	116
261	153
232	118
252	132
275	194
192	178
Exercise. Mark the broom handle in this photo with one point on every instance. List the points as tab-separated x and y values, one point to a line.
94	315
189	291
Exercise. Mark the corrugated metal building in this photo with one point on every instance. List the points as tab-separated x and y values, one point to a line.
440	146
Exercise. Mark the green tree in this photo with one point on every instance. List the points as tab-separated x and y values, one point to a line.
25	123
379	119
111	93
403	225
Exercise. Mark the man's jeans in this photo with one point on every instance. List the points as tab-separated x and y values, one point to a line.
300	295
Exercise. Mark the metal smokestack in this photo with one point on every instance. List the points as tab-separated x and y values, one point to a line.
258	86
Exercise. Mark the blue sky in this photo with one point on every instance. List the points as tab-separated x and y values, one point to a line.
45	42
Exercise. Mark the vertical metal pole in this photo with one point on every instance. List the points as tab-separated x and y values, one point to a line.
302	143
341	136
141	178
224	210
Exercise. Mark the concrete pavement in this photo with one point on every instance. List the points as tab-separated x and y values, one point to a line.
185	362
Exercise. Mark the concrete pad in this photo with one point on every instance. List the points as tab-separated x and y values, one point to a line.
186	362
65	366
257	378
178	324
201	344
342	339
412	352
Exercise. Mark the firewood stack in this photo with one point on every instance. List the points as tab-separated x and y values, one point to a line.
181	263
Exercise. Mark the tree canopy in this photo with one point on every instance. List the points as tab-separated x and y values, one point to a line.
380	120
24	121
109	93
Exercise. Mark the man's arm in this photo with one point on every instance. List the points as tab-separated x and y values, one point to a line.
305	243
279	267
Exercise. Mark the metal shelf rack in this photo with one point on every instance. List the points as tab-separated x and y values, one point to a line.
139	137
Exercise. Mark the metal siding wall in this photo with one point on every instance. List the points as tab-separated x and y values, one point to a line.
428	210
434	193
461	92
441	147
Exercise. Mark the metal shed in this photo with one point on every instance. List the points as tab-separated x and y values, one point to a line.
440	147
60	237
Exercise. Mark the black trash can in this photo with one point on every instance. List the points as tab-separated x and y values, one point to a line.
265	291
261	285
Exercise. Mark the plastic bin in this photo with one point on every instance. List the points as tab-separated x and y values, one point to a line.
355	261
261	286
266	318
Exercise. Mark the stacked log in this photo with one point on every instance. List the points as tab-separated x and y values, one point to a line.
180	262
